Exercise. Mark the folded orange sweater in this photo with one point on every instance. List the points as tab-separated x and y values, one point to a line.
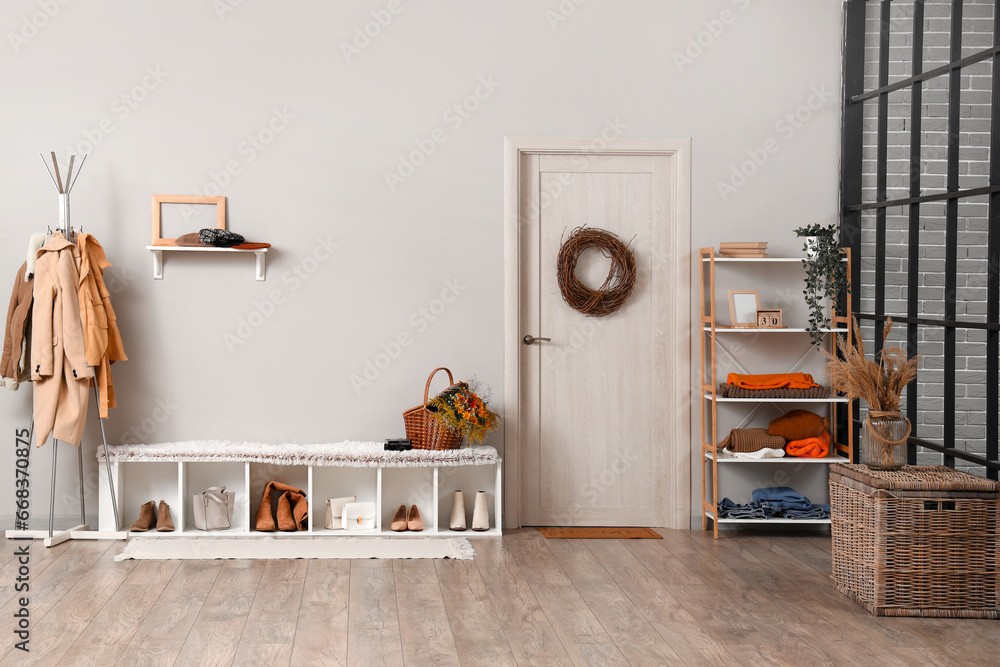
774	381
810	448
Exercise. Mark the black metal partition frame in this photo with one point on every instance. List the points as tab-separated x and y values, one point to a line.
853	204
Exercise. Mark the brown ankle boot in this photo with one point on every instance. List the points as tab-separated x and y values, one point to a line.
147	518
164	523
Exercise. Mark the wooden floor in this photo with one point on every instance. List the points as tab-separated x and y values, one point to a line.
748	599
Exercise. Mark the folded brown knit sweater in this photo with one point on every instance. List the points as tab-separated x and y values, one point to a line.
732	391
750	440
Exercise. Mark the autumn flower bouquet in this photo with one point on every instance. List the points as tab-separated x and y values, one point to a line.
460	408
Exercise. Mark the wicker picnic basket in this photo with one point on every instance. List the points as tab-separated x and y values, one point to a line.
921	541
424	429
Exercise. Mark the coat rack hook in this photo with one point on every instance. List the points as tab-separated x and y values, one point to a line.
55	165
78	170
69	173
49	171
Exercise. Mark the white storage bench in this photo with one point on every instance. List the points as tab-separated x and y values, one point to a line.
174	472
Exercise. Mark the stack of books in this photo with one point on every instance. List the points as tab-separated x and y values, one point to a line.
743	249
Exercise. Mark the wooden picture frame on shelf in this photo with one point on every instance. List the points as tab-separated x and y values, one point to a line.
742	309
769	318
158	200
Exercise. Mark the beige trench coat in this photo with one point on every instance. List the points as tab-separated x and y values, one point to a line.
59	369
103	342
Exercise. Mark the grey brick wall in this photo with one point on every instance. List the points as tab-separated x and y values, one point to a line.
974	140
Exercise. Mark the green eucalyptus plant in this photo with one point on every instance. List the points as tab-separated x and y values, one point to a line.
826	276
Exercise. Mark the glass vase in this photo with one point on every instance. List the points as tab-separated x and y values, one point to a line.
883	440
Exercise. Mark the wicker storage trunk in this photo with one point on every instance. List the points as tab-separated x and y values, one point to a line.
921	541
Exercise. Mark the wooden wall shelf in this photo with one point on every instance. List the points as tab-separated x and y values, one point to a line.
158	251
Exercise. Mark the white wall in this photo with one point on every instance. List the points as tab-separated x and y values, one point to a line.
322	176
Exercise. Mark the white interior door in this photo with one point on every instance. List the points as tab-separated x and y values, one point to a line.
593	431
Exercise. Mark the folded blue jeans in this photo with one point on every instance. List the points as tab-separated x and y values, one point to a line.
729	510
814	512
775	499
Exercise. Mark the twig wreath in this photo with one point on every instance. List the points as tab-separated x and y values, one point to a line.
617	287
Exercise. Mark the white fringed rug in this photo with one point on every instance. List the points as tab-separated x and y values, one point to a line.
267	548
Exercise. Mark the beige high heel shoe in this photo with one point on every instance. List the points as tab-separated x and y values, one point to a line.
399	520
414	521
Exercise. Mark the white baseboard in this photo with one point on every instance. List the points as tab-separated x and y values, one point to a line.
41	521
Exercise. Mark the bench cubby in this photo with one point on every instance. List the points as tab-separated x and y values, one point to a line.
142	482
469	481
262	473
196	477
332	482
175	472
407	486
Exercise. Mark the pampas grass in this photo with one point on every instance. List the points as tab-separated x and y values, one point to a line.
878	383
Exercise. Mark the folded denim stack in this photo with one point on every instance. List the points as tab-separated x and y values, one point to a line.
787	503
730	510
777	498
814	512
774	502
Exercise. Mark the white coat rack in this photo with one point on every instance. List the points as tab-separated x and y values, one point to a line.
51	537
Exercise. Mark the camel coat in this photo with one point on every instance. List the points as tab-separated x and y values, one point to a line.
59	366
14	365
100	326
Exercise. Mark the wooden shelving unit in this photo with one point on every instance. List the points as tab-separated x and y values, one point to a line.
842	451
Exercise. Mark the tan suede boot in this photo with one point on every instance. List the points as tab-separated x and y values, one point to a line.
147	518
292	512
285	519
164	523
264	521
300	510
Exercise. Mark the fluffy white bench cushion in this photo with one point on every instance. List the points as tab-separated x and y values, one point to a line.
343	454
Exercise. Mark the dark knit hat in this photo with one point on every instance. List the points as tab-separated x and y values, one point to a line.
220	238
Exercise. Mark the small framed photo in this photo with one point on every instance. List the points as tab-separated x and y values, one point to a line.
743	306
769	318
158	200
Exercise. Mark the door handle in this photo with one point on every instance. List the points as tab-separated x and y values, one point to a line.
528	340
